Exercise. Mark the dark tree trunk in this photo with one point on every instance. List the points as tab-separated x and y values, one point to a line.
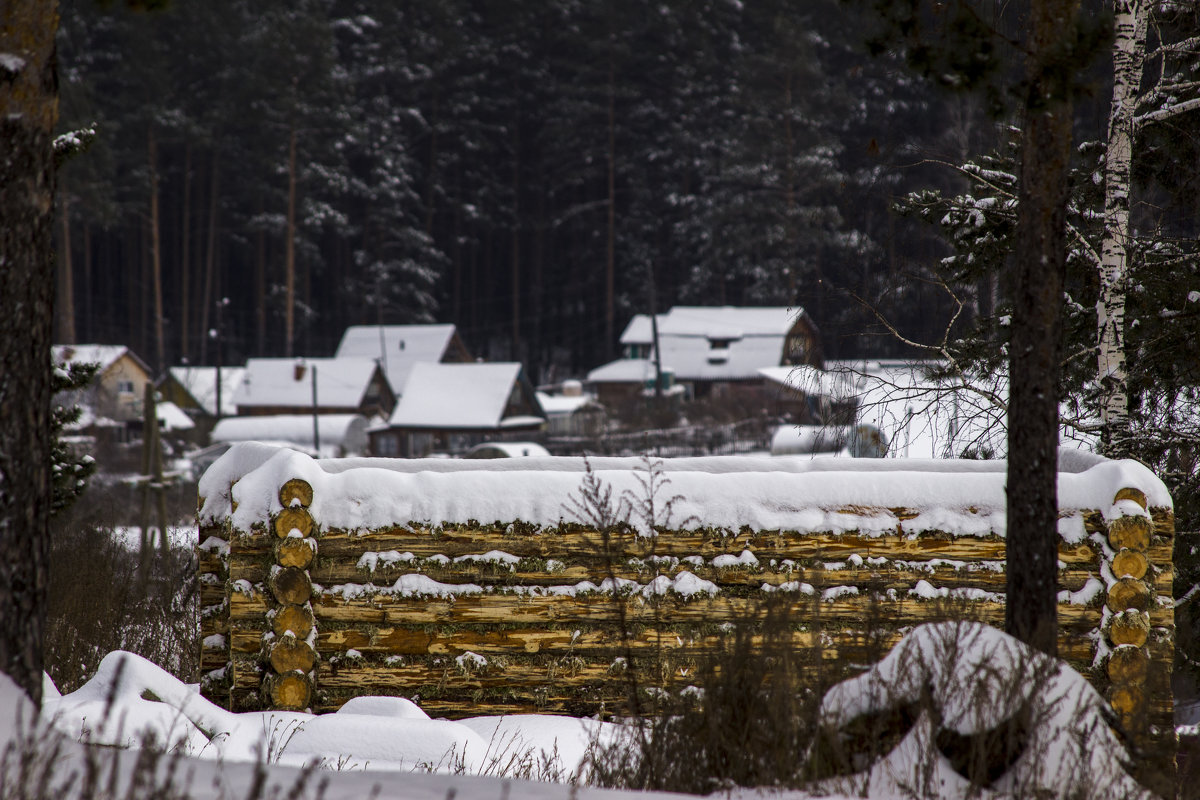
28	112
1039	271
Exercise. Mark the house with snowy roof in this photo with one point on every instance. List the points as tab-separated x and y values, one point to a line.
711	352
273	386
115	395
398	348
449	408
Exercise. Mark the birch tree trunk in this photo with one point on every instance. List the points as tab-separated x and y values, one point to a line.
1129	45
28	113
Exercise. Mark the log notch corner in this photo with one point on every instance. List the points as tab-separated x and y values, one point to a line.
1134	533
289	644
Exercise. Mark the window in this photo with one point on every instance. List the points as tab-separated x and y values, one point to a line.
124	387
719	344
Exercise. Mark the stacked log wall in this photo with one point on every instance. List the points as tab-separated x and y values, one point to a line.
471	619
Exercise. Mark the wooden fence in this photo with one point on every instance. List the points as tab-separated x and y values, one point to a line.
326	580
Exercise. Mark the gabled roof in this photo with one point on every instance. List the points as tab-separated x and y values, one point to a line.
717	322
201	384
103	354
341	382
463	396
396	347
707	344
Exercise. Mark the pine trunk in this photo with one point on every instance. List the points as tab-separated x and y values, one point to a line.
1128	50
66	276
156	253
210	261
184	257
290	251
28	113
1035	350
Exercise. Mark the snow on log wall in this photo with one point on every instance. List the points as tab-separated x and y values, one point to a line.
486	587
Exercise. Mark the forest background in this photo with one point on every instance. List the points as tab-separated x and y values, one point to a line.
535	172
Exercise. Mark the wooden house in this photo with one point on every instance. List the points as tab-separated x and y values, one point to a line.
274	386
711	353
449	408
398	348
114	398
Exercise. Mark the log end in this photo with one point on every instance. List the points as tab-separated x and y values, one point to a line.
293	518
1128	665
1130	564
291	585
1130	493
295	618
296	492
1132	532
293	552
1129	627
1128	593
290	654
292	692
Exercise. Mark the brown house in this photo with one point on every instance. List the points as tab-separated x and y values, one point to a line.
708	353
449	408
115	395
272	386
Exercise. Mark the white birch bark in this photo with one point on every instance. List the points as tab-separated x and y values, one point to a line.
1129	47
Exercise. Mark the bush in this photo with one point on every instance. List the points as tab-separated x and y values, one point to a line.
98	601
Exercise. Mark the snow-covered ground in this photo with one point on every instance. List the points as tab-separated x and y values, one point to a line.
966	679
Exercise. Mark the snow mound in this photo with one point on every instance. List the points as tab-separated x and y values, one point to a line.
951	691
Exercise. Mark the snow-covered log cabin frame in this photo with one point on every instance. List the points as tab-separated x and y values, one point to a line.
476	587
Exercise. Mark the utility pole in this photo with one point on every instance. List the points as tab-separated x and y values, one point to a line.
316	423
224	301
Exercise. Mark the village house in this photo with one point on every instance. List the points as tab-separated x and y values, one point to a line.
711	354
274	386
398	347
449	408
571	413
114	398
194	390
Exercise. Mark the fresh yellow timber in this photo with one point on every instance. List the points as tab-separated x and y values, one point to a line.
293	490
290	653
1128	665
331	573
294	552
1131	493
291	585
1129	627
576	545
293	518
292	691
295	618
1130	564
1130	532
1128	593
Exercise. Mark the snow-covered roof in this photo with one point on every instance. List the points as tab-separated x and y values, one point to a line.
723	492
201	384
277	382
623	370
562	405
811	381
717	322
463	396
706	344
337	431
397	348
507	450
171	417
103	354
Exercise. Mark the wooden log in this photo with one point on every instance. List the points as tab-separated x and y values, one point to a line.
294	552
295	618
1130	564
1128	593
329	572
296	491
1131	493
576	547
291	585
293	518
289	653
1129	627
1128	665
292	691
1131	532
